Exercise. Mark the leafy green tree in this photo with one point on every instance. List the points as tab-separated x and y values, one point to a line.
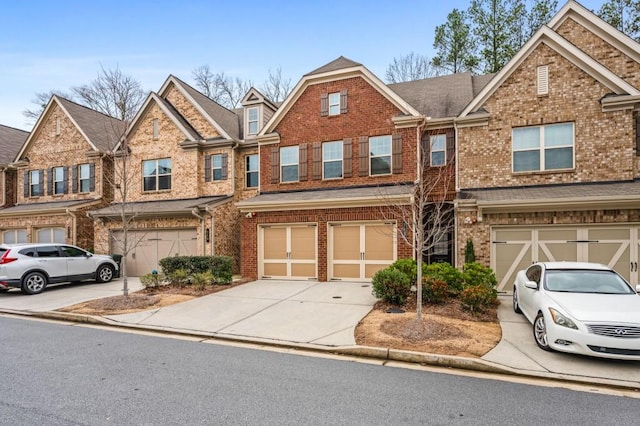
624	15
540	13
454	45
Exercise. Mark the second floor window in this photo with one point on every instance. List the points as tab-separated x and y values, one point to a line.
216	167
252	121
251	169
540	148
156	174
438	144
380	155
334	103
58	180
289	164
36	188
84	177
332	160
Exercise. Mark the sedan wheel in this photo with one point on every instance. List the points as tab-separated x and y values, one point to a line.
104	274
516	305
540	332
34	283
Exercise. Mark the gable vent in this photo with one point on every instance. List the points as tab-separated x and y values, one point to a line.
543	80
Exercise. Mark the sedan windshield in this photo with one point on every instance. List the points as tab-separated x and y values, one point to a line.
586	281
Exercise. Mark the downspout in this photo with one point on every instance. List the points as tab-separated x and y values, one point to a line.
194	212
73	226
455	227
212	235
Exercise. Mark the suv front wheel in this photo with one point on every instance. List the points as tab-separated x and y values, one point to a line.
104	274
34	283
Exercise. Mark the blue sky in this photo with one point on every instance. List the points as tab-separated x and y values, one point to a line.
46	45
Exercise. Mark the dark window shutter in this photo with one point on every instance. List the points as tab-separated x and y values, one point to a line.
92	177
343	101
50	181
65	178
317	160
302	162
74	179
225	166
637	133
396	149
324	104
207	168
347	158
275	165
26	184
451	147
363	149
41	184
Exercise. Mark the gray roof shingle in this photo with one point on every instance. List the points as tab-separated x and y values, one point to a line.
184	206
11	140
336	64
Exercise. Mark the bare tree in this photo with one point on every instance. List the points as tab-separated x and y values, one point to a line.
428	218
221	88
276	87
41	100
408	68
112	93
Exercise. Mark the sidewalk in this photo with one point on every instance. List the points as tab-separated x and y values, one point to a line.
323	317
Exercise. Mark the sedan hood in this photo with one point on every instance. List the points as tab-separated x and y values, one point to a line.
618	308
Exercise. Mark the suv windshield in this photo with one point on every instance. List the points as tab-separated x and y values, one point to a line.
586	281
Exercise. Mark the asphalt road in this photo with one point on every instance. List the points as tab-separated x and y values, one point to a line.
58	374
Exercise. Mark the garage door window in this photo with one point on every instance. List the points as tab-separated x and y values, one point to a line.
157	174
50	235
14	236
541	148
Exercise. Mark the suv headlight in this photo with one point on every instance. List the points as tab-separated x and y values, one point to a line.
562	320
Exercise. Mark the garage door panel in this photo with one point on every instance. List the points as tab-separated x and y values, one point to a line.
303	270
509	259
275	243
378	242
346	242
275	269
303	243
288	251
346	271
371	269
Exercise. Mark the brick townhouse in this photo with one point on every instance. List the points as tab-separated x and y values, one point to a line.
11	140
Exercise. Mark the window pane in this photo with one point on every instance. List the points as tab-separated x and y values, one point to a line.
164	182
558	135
217	174
289	155
253	127
150	183
252	179
558	158
333	169
524	161
253	114
380	145
381	165
290	173
149	168
526	138
83	171
44	235
59	173
164	166
332	151
84	185
35	177
334	103
252	163
437	158
438	142
217	161
48	251
22	236
9	237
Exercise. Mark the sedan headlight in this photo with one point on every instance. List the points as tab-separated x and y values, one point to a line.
562	320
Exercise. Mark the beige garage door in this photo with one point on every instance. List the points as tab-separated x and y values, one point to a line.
514	249
288	252
148	247
358	250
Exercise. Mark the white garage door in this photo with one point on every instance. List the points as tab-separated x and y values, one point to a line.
358	250
516	248
148	247
288	251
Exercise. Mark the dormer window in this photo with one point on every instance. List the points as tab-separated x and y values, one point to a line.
252	121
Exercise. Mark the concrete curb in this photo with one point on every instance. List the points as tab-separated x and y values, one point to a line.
385	354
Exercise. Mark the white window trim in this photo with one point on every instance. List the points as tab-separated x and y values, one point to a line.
390	155
283	164
341	160
157	175
334	104
541	150
432	139
257	120
247	171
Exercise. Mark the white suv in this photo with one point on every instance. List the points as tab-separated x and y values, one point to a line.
31	267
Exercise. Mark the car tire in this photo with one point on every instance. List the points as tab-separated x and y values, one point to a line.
540	332
33	283
105	273
516	305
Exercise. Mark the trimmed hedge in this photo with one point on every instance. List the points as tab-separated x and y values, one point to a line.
221	267
391	285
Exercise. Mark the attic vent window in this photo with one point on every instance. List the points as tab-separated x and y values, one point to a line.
57	126
156	129
543	80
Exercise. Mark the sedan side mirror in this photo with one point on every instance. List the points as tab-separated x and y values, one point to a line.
531	284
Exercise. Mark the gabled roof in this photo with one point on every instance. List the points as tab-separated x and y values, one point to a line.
443	96
339	69
337	64
223	120
101	131
570	52
254	96
187	130
11	140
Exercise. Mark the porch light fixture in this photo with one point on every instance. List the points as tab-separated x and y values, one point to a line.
207	235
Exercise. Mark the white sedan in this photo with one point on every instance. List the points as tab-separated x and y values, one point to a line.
582	308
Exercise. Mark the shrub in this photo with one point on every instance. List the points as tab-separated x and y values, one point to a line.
179	277
469	253
221	267
447	273
200	280
391	286
152	280
409	267
435	290
477	298
476	274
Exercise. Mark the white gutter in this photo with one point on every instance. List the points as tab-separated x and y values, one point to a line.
194	212
73	225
